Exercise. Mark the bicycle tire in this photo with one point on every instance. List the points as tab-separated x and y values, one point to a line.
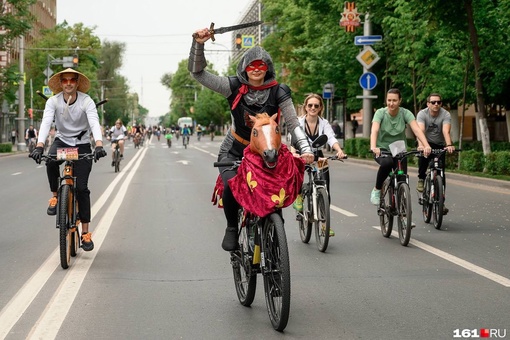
64	219
323	223
385	211
74	239
117	160
438	202
426	204
305	226
276	271
404	214
245	277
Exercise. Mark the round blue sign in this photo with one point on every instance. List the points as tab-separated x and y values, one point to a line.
368	81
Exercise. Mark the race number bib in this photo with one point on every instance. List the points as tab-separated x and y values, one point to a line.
67	154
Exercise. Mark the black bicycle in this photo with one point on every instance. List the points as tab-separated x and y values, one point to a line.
262	249
316	203
67	208
116	156
396	200
433	196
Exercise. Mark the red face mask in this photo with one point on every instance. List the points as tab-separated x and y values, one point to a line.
256	65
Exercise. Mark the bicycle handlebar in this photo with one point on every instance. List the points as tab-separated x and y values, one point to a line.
53	157
226	163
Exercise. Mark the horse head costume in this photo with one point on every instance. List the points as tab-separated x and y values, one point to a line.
266	138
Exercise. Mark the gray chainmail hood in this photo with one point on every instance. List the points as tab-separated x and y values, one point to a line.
255	53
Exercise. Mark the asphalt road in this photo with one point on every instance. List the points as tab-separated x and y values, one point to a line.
158	271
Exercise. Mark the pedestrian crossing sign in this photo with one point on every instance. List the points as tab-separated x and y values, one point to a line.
46	91
248	41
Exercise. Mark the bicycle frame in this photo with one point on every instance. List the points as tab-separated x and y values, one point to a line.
315	181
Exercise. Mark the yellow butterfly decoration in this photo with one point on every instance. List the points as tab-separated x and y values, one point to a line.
279	200
251	184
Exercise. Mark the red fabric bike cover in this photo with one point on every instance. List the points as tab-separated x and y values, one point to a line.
261	190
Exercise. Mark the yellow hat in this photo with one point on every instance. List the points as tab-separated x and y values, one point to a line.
83	81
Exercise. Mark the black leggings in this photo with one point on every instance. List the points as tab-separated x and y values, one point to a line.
387	163
82	170
230	204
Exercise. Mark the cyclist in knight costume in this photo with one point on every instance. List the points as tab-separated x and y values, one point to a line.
253	90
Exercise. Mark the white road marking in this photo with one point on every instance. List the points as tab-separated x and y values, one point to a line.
16	173
342	211
458	261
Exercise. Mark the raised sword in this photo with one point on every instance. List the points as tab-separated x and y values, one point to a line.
213	31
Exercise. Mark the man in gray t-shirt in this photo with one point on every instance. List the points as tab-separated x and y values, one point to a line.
435	122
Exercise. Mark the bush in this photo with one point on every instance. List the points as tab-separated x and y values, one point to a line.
472	161
5	147
498	163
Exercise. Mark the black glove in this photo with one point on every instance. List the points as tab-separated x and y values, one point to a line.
37	153
99	152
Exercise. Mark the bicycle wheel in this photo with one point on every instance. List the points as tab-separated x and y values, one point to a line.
305	226
245	279
385	211
404	214
276	271
322	225
64	219
117	160
438	202
426	204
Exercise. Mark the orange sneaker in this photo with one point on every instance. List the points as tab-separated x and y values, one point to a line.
52	208
86	242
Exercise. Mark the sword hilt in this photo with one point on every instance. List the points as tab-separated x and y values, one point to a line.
211	32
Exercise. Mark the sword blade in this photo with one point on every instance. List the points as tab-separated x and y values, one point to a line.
235	27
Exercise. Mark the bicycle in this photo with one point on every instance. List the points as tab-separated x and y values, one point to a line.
185	141
31	144
396	200
262	249
67	208
116	156
316	201
433	196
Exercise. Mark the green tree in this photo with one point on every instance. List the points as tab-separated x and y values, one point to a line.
16	22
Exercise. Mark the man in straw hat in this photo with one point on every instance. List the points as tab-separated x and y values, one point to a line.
75	115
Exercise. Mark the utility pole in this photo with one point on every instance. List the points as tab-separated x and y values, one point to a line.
21	96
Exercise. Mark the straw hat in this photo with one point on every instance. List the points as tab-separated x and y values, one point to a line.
83	81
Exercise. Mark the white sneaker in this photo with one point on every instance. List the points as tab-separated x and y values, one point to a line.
375	197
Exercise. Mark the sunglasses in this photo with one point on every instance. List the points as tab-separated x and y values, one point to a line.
313	105
434	102
67	81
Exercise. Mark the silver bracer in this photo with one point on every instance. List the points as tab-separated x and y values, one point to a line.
300	141
196	61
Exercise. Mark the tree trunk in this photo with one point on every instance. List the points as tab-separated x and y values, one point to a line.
482	121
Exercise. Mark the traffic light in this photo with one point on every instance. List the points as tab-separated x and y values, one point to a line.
239	40
75	60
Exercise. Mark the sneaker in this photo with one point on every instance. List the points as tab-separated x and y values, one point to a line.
445	210
86	242
230	239
121	156
331	232
413	225
375	197
298	203
52	208
113	163
419	187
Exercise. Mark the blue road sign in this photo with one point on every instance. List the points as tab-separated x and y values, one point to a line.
368	81
367	39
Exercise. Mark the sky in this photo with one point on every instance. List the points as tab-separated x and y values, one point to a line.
157	35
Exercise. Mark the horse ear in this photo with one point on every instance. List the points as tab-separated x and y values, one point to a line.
252	118
274	117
